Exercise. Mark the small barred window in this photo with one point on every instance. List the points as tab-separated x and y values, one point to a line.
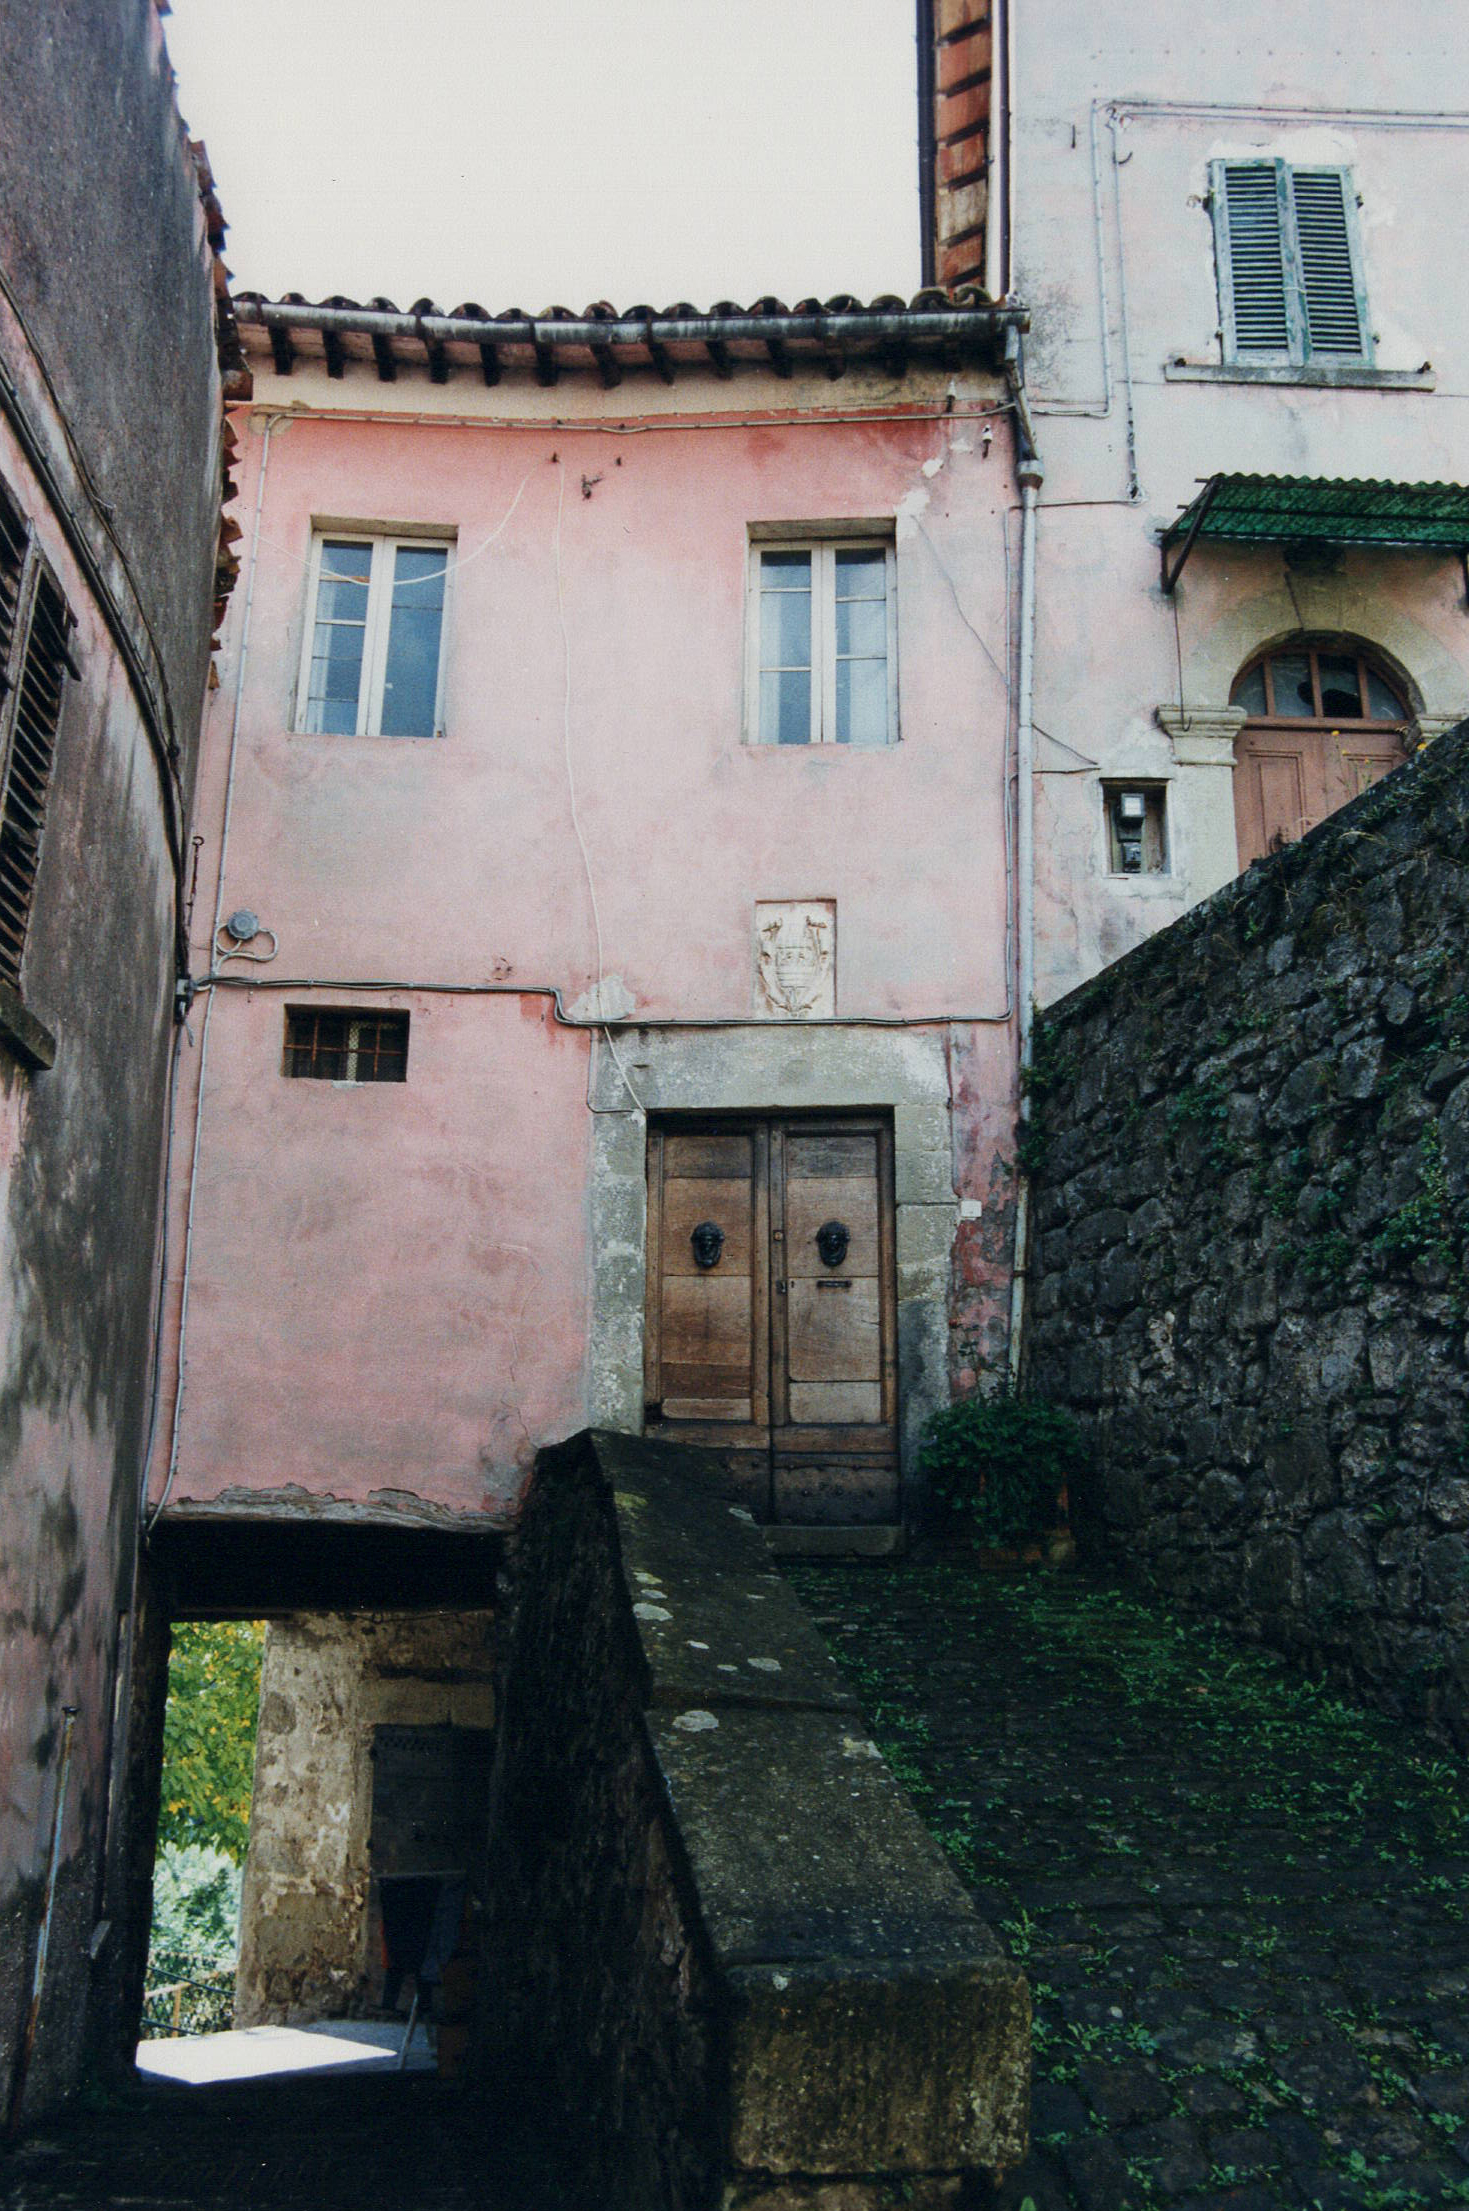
339	1044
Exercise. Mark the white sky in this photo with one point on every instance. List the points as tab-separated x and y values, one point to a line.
521	154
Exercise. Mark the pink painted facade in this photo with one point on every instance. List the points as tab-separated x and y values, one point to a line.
400	1291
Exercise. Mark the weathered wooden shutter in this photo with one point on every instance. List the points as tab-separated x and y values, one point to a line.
1290	267
1335	310
13	540
1250	234
33	724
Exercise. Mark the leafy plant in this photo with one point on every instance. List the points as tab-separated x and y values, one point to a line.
194	1942
996	1466
209	1735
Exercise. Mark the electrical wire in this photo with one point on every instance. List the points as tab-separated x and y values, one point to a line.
224	844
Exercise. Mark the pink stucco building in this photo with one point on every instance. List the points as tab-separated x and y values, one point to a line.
604	839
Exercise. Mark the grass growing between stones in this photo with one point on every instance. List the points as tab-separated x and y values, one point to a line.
1243	1904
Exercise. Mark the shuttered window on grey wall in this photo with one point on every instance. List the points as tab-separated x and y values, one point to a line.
1290	264
34	657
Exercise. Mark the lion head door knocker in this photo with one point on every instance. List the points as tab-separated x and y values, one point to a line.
832	1239
708	1242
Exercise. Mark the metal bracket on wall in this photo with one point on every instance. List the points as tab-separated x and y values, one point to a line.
1201	508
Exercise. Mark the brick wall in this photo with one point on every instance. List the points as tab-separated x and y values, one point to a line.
963	42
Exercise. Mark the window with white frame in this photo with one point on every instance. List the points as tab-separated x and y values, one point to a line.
372	664
823	639
1291	288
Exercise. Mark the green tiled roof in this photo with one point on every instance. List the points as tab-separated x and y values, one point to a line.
1331	510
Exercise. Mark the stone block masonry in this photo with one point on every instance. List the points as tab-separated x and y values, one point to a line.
719	1939
1251	1191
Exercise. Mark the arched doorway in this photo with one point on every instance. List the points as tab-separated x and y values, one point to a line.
1324	720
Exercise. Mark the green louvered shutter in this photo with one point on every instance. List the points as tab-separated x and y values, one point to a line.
1289	264
1335	310
1250	225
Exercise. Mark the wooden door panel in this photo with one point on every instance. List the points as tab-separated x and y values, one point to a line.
725	1157
707	1349
689	1200
836	1404
1269	796
707	1363
847	1198
1363	763
835	1332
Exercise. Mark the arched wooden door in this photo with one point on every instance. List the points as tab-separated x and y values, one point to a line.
1325	722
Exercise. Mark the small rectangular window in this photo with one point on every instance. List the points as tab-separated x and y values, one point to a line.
343	1044
372	664
1136	828
35	623
822	643
1289	262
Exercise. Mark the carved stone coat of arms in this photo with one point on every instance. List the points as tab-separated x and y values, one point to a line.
795	958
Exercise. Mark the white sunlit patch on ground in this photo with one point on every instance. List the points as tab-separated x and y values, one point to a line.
254	2053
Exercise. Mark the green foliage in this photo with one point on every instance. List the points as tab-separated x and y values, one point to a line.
196	1913
209	1735
194	1942
1420	1229
1049	1069
996	1465
1206	1105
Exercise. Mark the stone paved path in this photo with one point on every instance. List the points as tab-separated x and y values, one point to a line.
1243	1907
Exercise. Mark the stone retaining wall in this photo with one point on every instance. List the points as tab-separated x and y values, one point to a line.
1252	1182
719	1940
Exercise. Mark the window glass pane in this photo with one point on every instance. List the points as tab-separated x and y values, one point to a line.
785	571
411	682
861	575
862	627
1290	673
336	677
1249	692
862	702
1383	703
335	681
785	709
785	629
1341	697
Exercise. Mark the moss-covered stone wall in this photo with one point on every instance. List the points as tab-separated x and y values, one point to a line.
1251	1153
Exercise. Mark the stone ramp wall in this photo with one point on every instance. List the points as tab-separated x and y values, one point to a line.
720	1941
1251	1198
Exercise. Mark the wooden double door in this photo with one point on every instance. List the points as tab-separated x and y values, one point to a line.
1287	779
771	1313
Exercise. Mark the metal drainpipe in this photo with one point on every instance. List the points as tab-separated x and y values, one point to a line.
38	1977
1030	475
